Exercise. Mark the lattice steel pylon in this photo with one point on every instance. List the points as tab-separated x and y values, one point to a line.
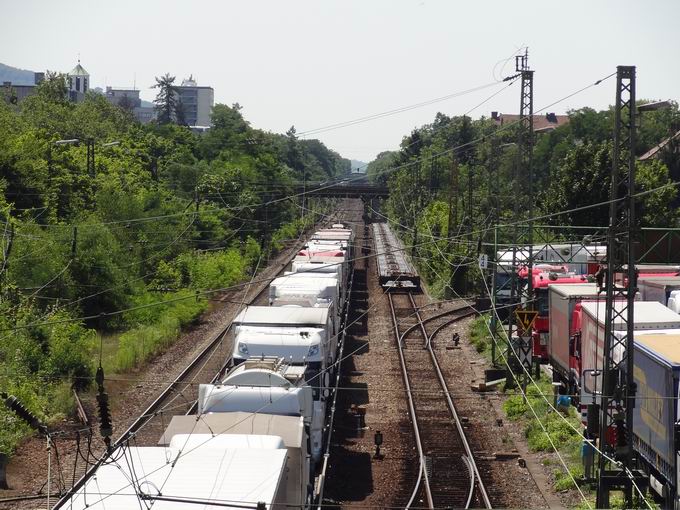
523	187
618	389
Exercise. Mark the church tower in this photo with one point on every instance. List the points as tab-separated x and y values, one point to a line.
78	80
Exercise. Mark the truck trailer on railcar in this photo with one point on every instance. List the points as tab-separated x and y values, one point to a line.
564	339
656	415
651	317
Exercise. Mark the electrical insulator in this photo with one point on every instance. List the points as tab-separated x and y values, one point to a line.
20	410
105	426
620	433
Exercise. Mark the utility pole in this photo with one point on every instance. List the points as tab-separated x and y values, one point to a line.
523	168
417	204
453	216
493	202
618	387
90	157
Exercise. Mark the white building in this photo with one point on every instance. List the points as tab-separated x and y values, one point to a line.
197	102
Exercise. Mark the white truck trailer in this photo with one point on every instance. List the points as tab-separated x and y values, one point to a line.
658	288
298	476
309	290
192	470
650	317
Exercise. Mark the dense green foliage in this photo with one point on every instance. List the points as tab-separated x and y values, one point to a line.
571	168
168	213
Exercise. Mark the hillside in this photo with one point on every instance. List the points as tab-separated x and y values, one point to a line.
15	75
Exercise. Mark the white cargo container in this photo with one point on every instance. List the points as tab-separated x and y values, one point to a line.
241	469
309	290
562	301
322	265
270	385
291	429
658	289
316	287
342	287
650	317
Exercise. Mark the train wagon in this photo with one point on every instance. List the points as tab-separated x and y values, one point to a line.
271	385
394	268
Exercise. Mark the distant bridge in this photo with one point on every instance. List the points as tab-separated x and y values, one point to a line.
345	190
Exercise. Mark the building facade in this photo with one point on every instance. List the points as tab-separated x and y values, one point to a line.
197	102
14	93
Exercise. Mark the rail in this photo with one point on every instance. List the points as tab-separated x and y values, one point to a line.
425	478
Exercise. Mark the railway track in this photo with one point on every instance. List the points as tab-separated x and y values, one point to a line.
448	476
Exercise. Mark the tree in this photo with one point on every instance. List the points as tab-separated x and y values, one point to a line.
166	102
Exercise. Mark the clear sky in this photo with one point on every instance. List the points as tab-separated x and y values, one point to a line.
311	63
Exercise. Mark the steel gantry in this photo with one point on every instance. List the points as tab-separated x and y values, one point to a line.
618	388
523	187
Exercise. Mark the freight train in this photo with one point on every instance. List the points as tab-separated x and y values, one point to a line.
256	440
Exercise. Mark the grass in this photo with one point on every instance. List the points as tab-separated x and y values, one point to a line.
557	427
146	340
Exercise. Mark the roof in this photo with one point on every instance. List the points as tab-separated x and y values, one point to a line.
660	281
665	346
646	314
269	315
288	428
655	151
78	70
208	471
546	122
576	289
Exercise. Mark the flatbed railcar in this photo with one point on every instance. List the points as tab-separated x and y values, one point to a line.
394	268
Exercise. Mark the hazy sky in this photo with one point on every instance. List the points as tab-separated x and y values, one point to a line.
315	63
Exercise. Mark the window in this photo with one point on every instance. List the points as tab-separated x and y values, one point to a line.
78	83
84	84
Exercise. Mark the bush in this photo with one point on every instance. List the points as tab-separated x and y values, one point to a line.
162	327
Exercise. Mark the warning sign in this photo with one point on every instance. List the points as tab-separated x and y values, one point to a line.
526	318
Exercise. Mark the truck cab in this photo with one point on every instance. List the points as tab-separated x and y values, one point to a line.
541	327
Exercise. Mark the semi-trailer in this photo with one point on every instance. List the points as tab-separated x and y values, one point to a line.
298	476
564	342
542	282
656	415
659	288
200	469
648	316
